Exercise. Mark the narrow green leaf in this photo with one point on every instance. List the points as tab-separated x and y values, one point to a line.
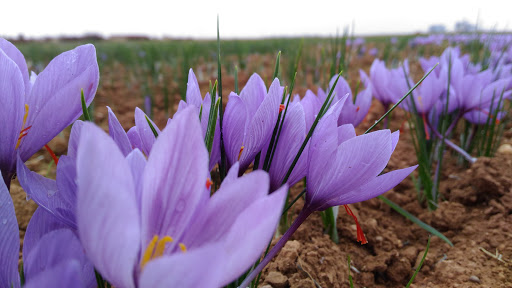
421	264
236	80
276	68
85	112
350	282
417	221
152	127
222	165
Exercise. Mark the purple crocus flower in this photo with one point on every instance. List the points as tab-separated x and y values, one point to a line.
180	237
388	85
354	111
194	99
34	111
249	120
52	253
343	169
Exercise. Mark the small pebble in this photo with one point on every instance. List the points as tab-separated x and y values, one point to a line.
474	279
505	149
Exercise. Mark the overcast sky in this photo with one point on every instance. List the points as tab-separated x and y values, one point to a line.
243	19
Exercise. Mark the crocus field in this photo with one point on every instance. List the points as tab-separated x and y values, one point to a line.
343	162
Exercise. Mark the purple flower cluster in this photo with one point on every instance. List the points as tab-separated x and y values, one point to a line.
141	209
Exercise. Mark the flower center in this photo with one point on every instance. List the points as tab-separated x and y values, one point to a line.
24	131
156	248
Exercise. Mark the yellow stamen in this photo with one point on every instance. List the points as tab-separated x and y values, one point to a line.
240	153
148	254
183	247
23	131
160	246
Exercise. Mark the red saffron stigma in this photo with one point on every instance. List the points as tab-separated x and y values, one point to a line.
208	183
54	157
360	234
357	109
427	135
281	108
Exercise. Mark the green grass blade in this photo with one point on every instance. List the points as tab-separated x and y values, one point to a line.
85	112
421	264
152	127
350	282
415	220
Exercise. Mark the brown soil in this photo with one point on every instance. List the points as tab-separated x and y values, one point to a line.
475	214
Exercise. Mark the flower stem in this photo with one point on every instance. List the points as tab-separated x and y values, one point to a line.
280	244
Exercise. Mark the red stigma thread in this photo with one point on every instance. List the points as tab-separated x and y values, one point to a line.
360	234
208	183
427	135
281	108
54	157
357	109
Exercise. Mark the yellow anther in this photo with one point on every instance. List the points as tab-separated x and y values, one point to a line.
160	246
23	130
183	247
148	254
240	153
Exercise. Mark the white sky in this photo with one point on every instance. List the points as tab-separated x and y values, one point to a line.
243	19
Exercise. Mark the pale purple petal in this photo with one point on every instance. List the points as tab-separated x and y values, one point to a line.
234	127
12	52
133	135
41	223
53	248
106	207
193	95
147	137
373	188
116	131
346	132
174	185
195	268
253	94
74	138
11	112
54	102
250	234
46	194
65	274
9	237
137	163
262	125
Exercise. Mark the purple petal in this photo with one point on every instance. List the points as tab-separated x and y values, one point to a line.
253	94
54	102
174	185
135	141
234	121
46	194
373	188
106	206
346	132
11	111
262	125
12	52
65	274
292	135
137	163
54	248
311	104
147	136
74	138
9	237
195	268
116	131
41	223
193	95
250	234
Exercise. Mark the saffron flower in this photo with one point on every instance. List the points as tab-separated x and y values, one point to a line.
52	255
180	236
249	120
343	169
33	111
